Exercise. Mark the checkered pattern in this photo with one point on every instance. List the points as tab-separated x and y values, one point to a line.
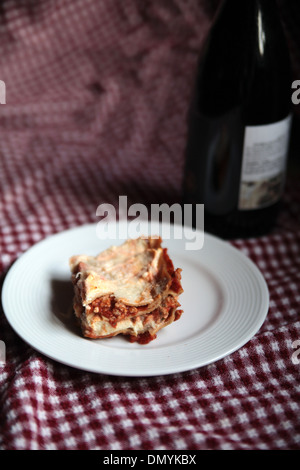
97	94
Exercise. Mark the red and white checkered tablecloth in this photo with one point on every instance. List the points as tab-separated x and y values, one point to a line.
96	100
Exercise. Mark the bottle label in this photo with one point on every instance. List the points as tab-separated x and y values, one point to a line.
263	165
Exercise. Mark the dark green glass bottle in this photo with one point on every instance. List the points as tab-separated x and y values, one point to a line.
239	121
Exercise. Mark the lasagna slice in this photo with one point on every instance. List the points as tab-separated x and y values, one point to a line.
130	289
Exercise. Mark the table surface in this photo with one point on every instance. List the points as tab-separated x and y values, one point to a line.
96	106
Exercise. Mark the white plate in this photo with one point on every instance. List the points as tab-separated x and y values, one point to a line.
225	302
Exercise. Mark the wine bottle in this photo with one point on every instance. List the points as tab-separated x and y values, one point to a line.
239	121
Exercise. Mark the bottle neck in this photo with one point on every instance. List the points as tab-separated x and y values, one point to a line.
247	9
245	56
254	20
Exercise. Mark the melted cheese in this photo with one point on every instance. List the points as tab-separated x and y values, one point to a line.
129	272
104	328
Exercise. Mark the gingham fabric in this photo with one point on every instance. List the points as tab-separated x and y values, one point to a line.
96	100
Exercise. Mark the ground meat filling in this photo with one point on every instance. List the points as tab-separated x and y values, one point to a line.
108	308
160	315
